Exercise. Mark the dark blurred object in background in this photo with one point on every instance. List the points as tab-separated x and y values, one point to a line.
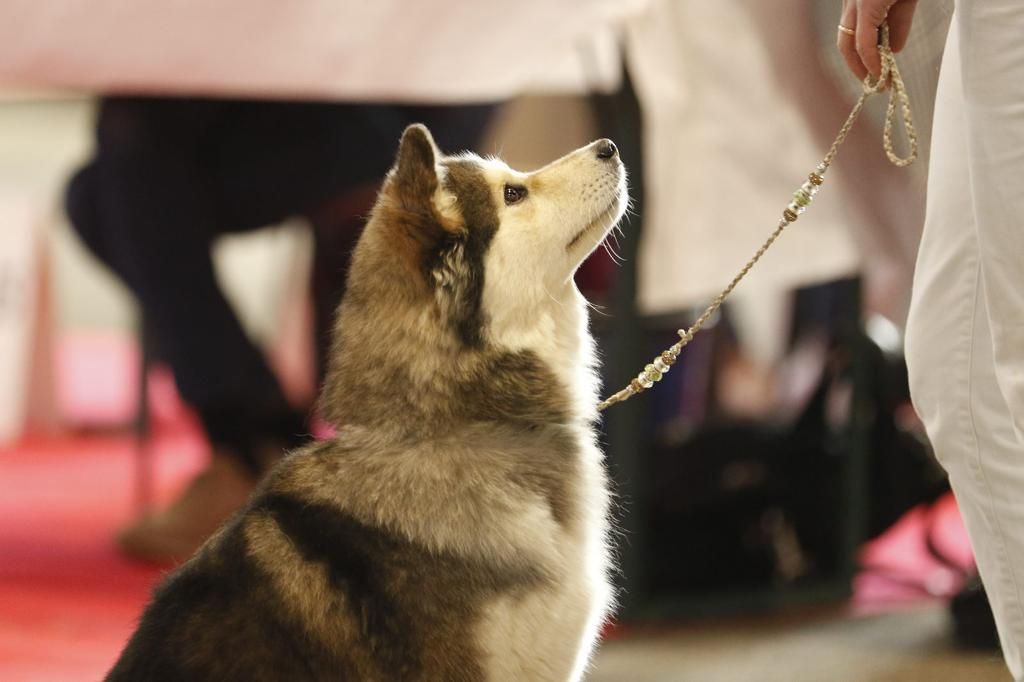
743	511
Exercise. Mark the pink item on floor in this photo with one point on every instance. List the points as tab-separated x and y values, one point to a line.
898	566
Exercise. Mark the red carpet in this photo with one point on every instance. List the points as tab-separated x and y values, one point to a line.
68	600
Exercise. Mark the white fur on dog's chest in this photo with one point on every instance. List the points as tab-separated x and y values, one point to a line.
546	635
549	634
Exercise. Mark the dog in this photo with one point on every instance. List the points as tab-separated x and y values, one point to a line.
457	525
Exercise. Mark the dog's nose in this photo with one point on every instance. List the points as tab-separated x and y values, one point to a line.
606	149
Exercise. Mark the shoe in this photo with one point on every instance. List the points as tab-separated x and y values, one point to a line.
174	534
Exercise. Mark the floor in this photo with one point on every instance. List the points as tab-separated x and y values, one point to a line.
906	646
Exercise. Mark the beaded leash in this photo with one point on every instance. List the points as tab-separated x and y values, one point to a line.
802	198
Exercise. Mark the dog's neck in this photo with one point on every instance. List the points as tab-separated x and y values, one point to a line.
411	379
555	330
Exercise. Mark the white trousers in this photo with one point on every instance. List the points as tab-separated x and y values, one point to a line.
965	335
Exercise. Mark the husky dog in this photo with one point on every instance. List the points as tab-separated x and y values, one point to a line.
456	526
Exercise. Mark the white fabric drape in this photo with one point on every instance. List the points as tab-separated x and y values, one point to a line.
451	51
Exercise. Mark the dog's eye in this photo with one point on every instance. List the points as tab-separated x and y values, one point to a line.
514	194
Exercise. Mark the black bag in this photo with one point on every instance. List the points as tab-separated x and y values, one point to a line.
742	505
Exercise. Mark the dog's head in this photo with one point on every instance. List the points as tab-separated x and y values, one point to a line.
465	254
486	240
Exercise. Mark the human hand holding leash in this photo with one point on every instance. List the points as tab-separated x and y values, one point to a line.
858	32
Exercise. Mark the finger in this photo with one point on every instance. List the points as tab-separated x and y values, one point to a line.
846	43
901	16
867	40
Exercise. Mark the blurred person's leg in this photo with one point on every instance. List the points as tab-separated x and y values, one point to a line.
965	344
146	207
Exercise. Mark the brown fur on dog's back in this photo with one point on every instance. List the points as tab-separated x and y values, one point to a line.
297	589
316	579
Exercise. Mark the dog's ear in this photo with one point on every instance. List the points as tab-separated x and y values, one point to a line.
414	177
406	204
